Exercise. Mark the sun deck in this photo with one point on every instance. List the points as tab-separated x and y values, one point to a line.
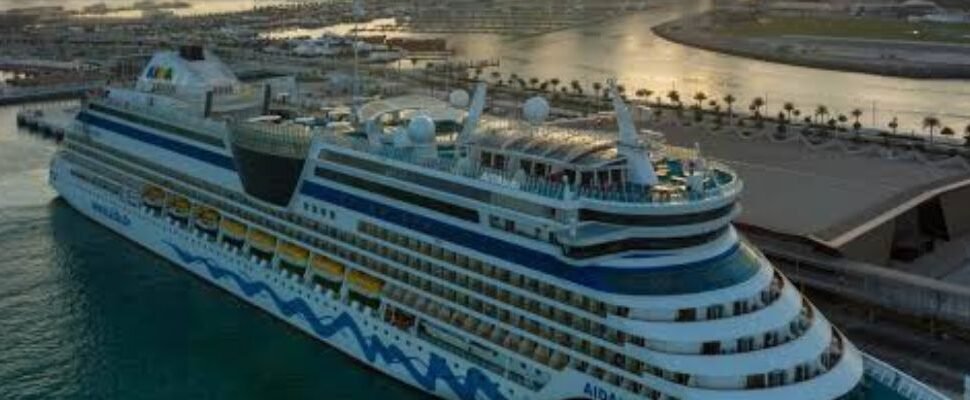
719	183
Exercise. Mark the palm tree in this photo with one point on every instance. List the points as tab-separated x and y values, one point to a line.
931	122
699	97
842	120
729	100
894	125
640	93
789	108
597	87
555	83
496	75
856	113
821	112
756	105
577	87
533	82
948	131
674	97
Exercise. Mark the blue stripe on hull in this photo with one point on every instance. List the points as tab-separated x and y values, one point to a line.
435	370
198	153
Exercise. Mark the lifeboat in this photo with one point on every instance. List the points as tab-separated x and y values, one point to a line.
294	254
179	208
262	241
293	257
153	197
364	283
234	229
329	268
207	219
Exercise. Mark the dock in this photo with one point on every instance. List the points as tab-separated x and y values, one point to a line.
18	95
52	120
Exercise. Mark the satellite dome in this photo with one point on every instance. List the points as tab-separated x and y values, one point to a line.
458	98
421	129
536	110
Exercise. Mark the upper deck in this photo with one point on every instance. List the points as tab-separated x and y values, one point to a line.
720	185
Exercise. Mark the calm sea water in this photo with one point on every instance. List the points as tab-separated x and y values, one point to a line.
85	314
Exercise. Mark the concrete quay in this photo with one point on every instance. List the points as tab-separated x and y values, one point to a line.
11	96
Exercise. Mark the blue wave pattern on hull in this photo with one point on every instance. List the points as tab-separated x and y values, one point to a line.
437	367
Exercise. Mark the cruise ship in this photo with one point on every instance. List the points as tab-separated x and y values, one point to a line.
467	256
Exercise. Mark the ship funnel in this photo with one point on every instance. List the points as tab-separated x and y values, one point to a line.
474	113
638	160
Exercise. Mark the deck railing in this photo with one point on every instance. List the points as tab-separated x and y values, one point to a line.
904	385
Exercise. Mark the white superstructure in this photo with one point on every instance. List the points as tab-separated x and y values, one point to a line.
470	258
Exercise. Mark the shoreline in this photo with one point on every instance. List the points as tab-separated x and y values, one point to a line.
690	31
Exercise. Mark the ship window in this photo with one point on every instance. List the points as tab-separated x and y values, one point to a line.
603	177
400	195
745	344
711	348
715	312
756	381
570	175
640	244
498	161
486	159
616	176
540	169
654	220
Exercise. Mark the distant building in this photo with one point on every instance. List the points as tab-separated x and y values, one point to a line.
944	18
908	9
800	8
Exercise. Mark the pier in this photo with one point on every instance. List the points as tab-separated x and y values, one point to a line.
18	95
48	119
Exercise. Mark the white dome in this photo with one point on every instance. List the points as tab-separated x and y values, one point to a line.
458	98
535	110
421	129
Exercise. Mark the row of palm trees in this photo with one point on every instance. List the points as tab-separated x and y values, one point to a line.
820	116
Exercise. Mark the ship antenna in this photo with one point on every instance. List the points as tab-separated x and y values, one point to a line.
474	114
640	168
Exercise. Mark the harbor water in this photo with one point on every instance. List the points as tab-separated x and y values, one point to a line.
89	315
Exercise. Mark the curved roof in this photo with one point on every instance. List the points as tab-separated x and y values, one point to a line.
556	144
436	109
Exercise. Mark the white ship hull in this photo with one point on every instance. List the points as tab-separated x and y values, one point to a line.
357	332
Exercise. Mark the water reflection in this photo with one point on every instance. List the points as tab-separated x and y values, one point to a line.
627	49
